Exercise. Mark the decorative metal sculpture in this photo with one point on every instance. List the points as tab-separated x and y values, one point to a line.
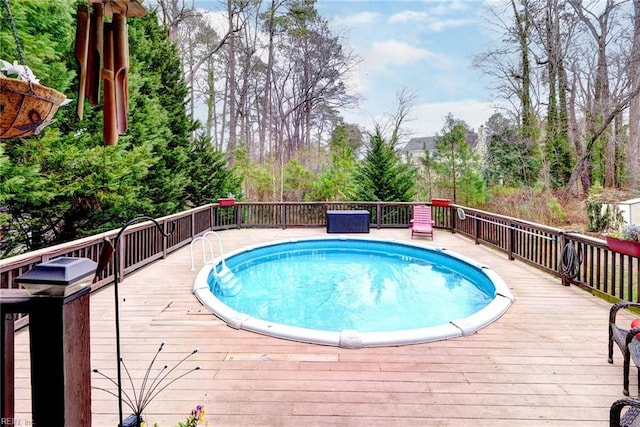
108	250
137	400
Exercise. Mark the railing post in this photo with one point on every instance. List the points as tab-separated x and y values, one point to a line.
283	216
511	241
453	219
238	216
60	357
59	341
165	239
193	225
476	230
379	215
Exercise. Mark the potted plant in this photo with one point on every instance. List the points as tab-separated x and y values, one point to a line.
440	202
230	200
626	241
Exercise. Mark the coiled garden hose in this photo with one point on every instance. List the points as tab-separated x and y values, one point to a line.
570	260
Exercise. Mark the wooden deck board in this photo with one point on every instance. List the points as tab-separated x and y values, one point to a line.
543	363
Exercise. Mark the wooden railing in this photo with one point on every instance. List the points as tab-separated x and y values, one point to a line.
574	258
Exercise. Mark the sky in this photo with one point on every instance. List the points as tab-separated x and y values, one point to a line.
424	47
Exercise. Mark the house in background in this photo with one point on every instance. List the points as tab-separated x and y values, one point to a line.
415	147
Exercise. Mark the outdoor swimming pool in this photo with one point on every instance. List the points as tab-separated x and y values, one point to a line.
352	292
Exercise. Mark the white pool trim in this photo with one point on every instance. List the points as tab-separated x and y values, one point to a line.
350	338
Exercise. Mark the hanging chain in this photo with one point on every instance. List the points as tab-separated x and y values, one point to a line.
15	33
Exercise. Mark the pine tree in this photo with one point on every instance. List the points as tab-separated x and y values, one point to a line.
209	177
336	180
457	164
158	115
382	176
46	33
64	183
510	160
21	188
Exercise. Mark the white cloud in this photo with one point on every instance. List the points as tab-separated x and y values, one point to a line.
408	16
444	24
432	115
428	119
435	21
357	80
449	7
359	19
493	3
391	53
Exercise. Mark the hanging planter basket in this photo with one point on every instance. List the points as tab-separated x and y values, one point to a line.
26	107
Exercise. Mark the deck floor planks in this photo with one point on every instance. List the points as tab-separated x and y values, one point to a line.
542	363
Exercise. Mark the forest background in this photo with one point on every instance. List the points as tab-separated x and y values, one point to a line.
271	88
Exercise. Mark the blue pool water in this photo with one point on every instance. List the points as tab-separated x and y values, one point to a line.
371	289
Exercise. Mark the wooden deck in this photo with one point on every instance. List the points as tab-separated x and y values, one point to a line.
543	363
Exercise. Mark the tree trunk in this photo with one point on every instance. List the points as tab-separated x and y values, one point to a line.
266	100
212	124
633	148
522	28
601	95
574	129
232	83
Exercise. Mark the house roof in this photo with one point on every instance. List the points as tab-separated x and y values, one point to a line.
419	144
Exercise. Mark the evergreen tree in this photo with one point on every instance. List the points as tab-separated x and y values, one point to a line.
209	178
64	183
458	165
46	33
509	161
298	181
561	159
427	175
21	188
382	176
336	180
158	114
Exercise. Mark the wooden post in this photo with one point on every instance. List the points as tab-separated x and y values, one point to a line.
511	243
58	308
12	301
60	357
60	360
8	367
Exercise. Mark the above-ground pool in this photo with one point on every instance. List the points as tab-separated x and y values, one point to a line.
352	292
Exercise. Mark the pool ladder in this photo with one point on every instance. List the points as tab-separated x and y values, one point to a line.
227	284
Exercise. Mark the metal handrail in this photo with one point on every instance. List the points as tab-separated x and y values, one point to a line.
204	258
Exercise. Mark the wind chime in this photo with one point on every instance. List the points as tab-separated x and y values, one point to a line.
102	52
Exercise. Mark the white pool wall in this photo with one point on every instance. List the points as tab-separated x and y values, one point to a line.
351	338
